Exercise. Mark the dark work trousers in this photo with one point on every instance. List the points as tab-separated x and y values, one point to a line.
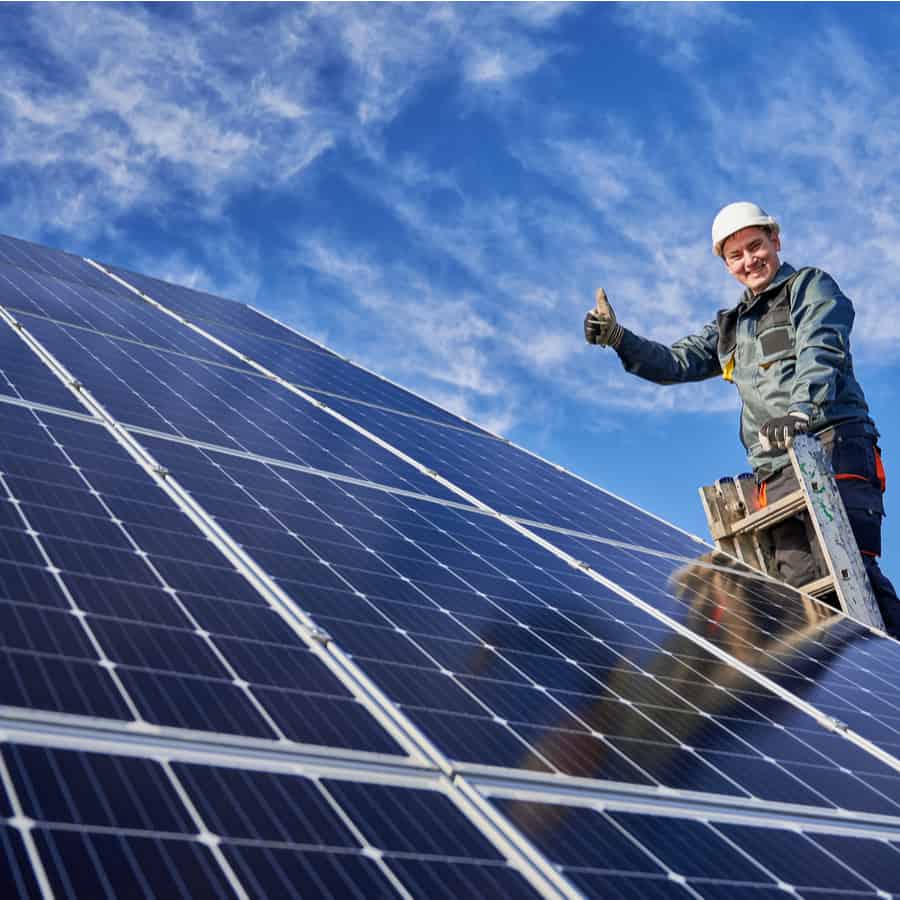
853	453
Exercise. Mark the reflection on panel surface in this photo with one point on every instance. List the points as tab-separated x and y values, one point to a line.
506	656
805	647
112	602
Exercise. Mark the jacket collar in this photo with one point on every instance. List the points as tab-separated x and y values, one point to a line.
749	299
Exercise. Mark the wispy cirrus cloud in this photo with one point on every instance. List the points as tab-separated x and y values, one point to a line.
155	106
677	32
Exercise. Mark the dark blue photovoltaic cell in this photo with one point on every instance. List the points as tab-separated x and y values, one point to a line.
386	817
504	655
643	887
197	305
169	660
877	860
93	789
205	402
793	858
16	876
512	481
24	376
272	871
56	263
450	880
88	864
628	854
688	847
263	806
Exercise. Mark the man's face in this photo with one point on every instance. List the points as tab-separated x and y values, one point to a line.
751	255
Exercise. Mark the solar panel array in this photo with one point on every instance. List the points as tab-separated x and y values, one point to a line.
273	626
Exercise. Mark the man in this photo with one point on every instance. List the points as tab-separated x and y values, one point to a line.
786	347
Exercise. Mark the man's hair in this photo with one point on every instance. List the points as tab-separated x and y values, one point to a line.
768	229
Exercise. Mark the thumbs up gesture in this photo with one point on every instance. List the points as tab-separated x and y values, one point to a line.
600	325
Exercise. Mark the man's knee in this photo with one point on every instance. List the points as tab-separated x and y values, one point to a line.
794	560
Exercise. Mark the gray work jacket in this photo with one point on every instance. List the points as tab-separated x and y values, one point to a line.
786	349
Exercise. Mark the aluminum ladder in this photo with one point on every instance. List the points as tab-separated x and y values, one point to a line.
741	529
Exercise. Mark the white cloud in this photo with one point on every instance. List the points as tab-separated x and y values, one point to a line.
145	107
429	340
677	31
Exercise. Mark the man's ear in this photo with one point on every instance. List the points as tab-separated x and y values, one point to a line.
776	240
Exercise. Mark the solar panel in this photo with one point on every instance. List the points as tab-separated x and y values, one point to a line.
270	621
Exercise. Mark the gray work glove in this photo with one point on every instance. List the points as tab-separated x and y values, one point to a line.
779	433
600	325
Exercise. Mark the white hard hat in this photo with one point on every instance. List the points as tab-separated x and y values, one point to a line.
734	217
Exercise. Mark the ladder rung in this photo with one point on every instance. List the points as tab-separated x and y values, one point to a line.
819	587
765	518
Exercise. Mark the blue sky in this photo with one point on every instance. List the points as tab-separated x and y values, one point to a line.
436	190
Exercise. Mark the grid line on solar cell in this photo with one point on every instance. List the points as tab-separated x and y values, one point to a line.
16	817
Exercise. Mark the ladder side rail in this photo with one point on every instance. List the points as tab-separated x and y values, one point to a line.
832	526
